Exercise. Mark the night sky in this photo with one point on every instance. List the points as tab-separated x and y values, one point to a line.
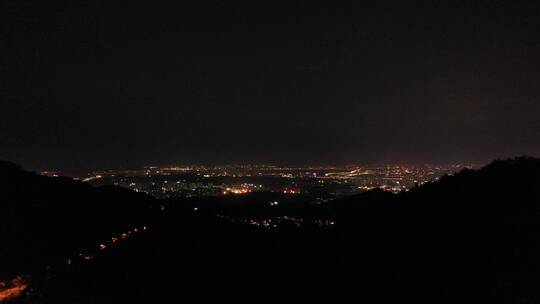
99	85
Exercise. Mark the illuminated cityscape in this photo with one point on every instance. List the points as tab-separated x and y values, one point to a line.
325	182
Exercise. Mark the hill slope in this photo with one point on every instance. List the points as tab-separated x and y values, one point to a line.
475	233
45	218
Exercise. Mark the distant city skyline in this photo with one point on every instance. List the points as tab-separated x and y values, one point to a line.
198	166
85	168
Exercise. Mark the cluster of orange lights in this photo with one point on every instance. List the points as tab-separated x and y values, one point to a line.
12	289
291	191
236	190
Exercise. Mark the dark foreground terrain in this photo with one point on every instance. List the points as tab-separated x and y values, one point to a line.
471	236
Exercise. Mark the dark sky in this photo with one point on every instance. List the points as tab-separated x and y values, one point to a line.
104	84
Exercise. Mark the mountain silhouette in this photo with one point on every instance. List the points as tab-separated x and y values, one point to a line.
471	234
45	219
